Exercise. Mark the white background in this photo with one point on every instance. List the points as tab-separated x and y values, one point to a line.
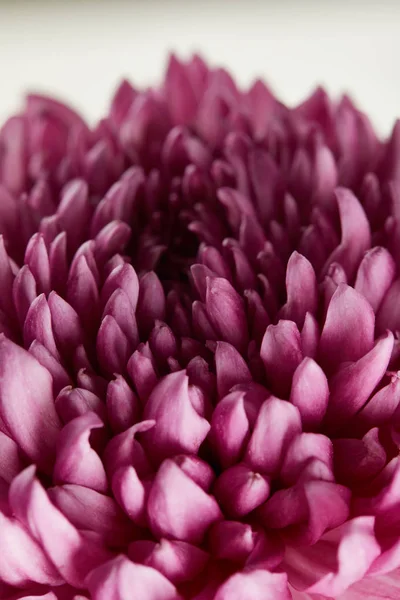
80	50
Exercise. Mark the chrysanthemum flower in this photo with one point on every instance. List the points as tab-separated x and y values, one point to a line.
199	357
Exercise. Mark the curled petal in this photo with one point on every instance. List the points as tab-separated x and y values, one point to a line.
24	292
37	258
26	403
101	515
113	348
231	368
177	507
226	311
186	431
230	428
76	461
304	447
66	325
239	490
75	402
74	211
151	302
72	554
278	422
281	354
254	584
82	292
301	288
124	450
120	308
358	460
310	392
123	277
178	561
120	579
353	384
142	370
131	494
195	468
60	377
123	406
348	332
375	276
382	406
38	325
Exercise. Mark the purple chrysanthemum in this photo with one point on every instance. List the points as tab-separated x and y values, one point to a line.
199	385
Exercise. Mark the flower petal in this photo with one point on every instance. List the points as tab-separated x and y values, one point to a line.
256	584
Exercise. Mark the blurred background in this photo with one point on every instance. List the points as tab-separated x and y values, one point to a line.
79	50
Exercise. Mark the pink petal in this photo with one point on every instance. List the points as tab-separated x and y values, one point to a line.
239	490
123	277
281	354
76	461
151	302
382	406
59	265
278	422
24	562
112	345
341	558
375	276
131	494
356	234
82	293
353	384
37	259
229	429
26	403
72	554
388	316
162	342
120	308
226	311
179	93
66	325
38	327
231	368
10	461
304	447
141	368
197	469
310	393
6	280
101	513
123	406
124	450
60	377
186	431
301	288
358	460
178	561
256	584
348	332
75	402
232	540
120	579
177	507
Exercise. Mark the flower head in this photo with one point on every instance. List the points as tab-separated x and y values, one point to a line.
199	350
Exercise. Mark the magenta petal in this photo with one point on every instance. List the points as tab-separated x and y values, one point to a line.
124	450
281	354
226	311
278	422
142	370
123	406
72	554
113	348
151	302
353	384
197	469
375	276
101	515
83	294
232	540
310	336
177	507
26	403
121	579
301	287
10	461
231	368
75	402
24	562
131	494
310	393
388	316
353	547
348	332
38	327
359	460
179	93
66	325
356	234
229	428
186	431
178	561
37	259
239	490
123	277
256	584
381	407
74	211
304	447
76	461
60	377
120	308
